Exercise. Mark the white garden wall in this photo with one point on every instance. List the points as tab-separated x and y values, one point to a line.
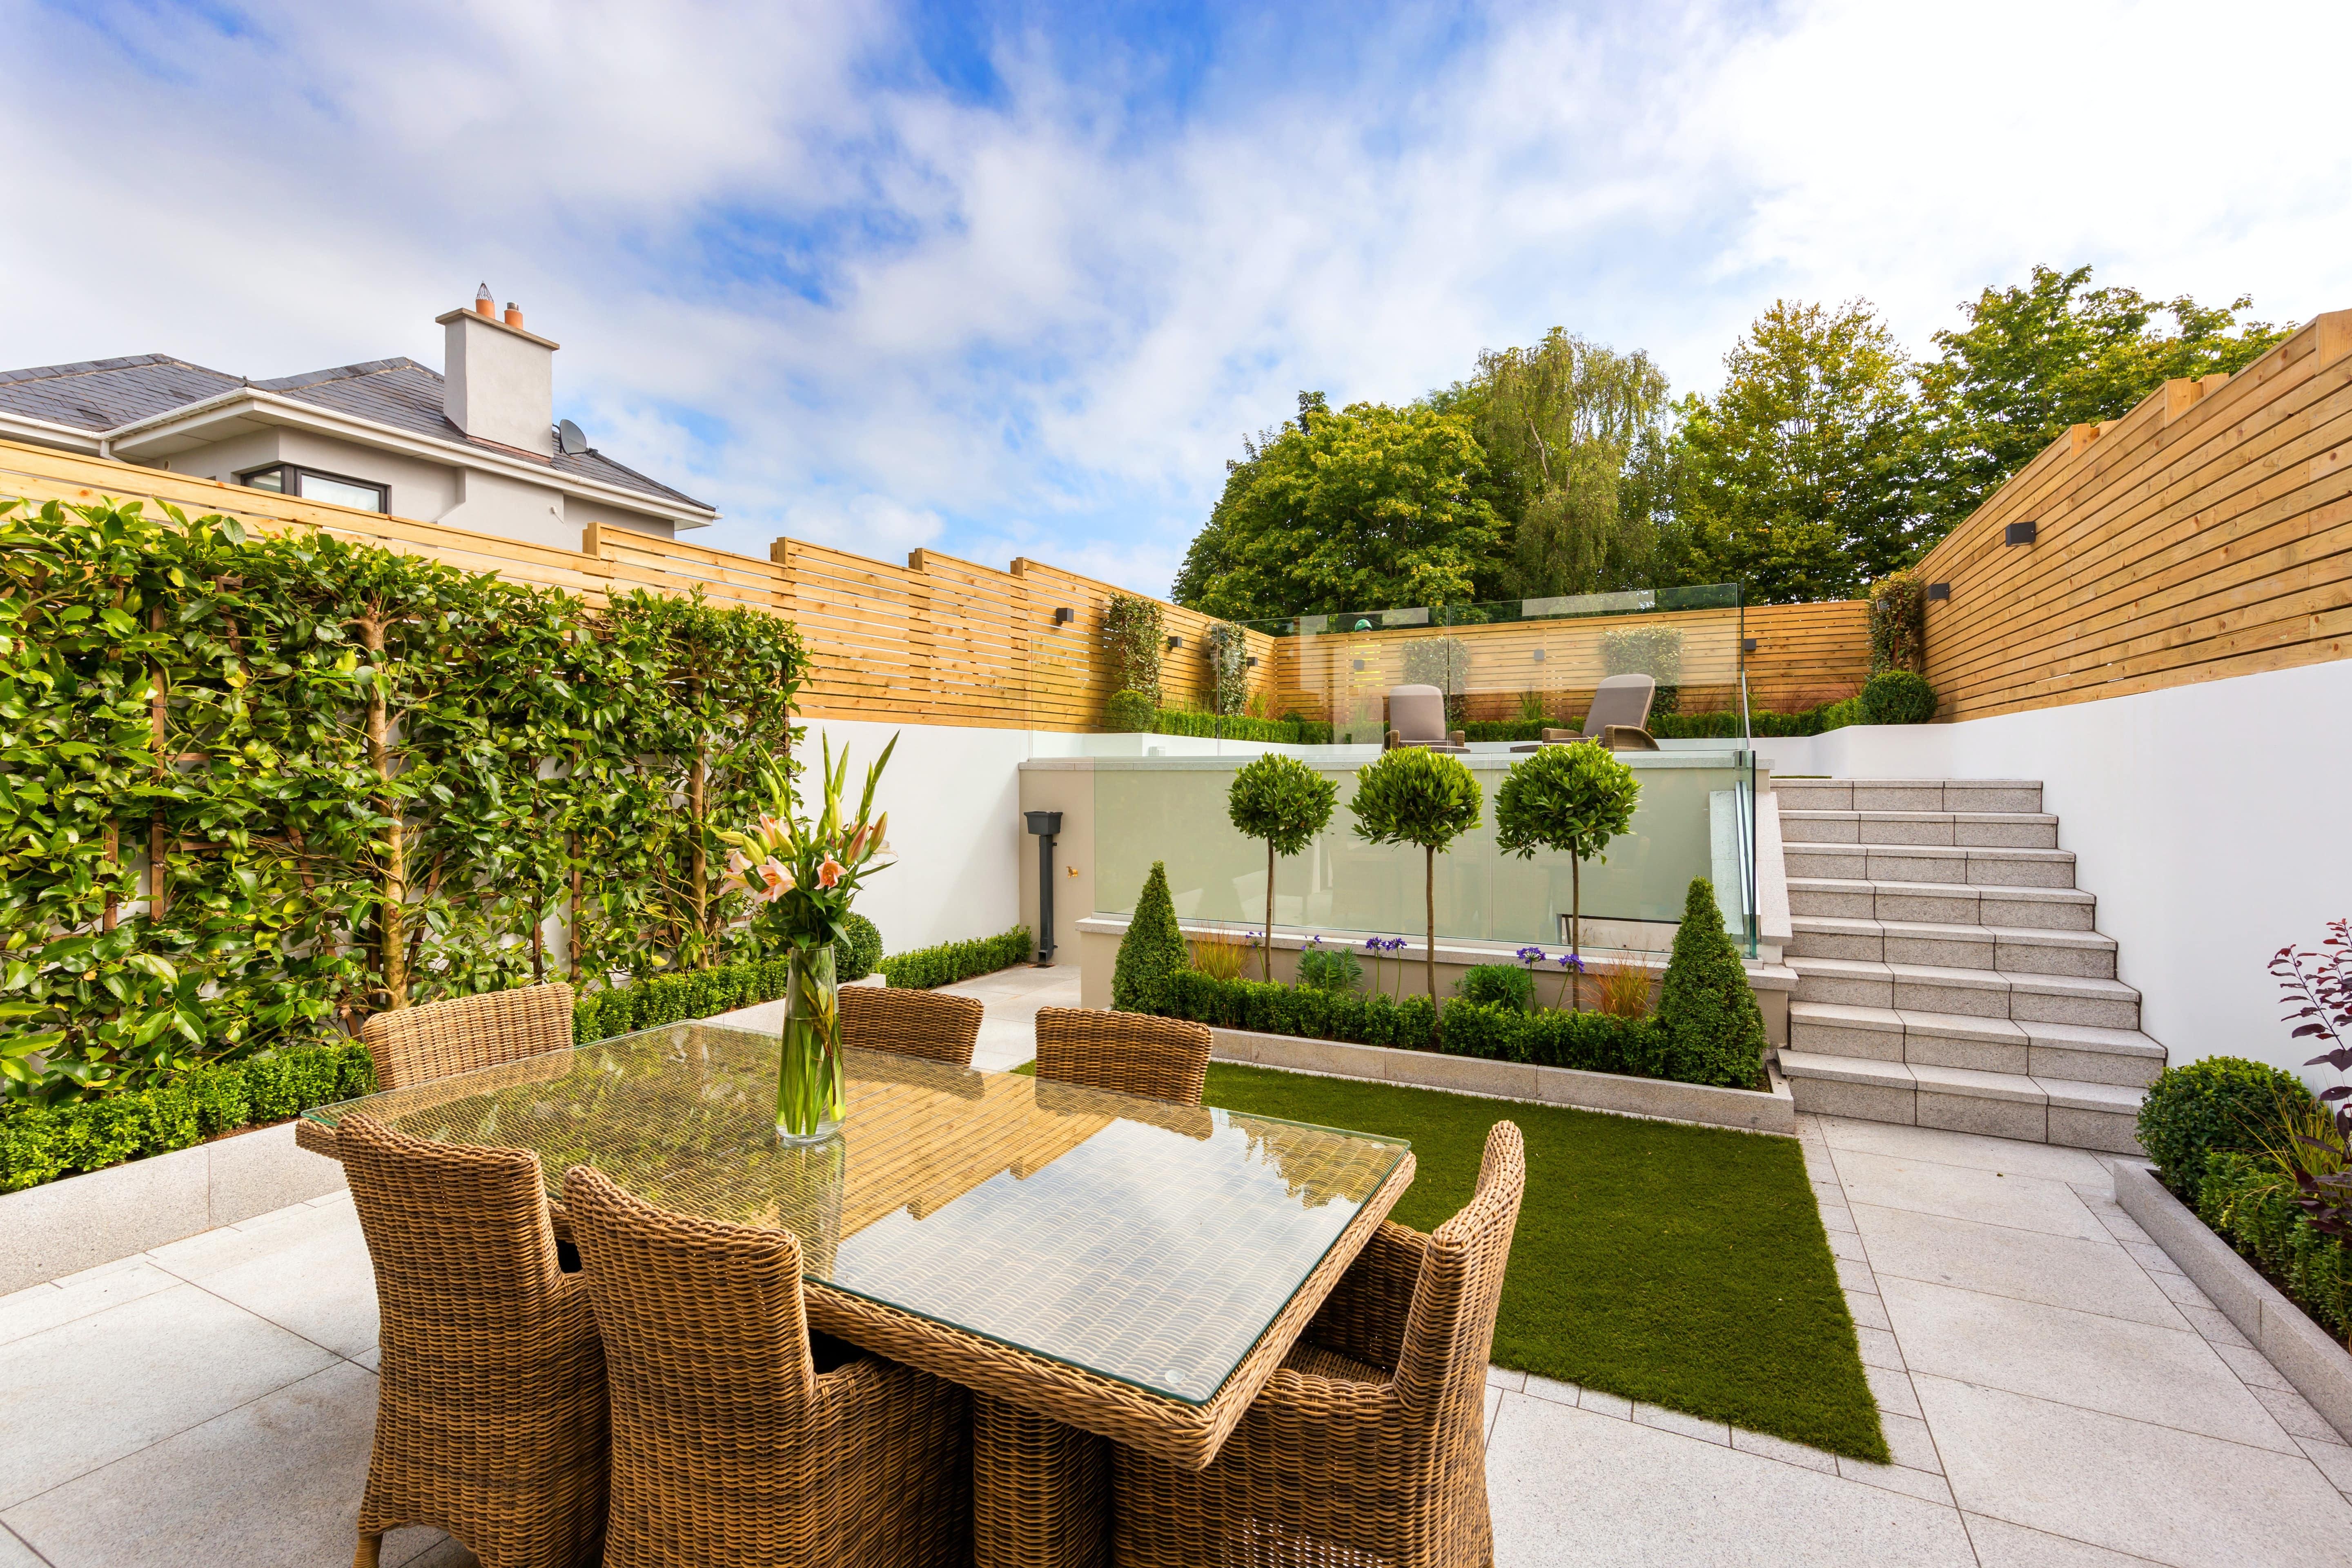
2210	821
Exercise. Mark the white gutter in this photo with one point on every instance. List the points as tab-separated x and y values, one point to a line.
369	432
47	434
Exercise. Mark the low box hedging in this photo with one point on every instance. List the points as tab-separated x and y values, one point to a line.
1720	725
38	1144
1241	727
953	961
2249	1203
1273	1008
674	998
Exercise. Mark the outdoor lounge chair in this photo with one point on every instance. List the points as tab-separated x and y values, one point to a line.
1367	1446
417	1045
729	1444
1619	718
1417	718
491	1412
911	1023
1126	1053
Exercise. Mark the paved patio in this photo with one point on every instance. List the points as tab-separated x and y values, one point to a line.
2056	1395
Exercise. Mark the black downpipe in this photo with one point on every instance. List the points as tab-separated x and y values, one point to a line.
1045	825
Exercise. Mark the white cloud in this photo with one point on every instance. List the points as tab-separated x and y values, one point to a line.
798	280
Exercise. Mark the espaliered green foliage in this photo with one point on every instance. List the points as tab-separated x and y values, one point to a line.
2250	1201
370	778
953	961
2212	1106
855	958
1714	1030
1132	627
1153	952
41	1144
1898	623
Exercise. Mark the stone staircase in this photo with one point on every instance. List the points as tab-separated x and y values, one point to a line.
1949	970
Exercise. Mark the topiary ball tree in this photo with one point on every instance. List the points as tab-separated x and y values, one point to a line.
1571	800
1714	1030
1898	697
1129	713
1286	803
1153	952
2217	1104
1422	798
855	957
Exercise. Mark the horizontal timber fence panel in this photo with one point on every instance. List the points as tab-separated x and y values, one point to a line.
2207	533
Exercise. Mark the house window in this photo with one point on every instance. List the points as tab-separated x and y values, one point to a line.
310	484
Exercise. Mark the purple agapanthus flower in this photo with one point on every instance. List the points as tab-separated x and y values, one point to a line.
1531	956
1569	960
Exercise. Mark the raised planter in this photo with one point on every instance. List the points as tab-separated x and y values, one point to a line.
2303	1352
1661	1098
80	1222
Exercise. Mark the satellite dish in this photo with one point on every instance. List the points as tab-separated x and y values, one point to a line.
570	438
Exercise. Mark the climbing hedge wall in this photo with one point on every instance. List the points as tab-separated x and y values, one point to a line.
253	788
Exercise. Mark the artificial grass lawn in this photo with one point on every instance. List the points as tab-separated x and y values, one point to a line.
1683	1266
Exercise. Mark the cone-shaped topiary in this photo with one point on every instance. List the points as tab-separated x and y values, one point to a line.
1153	952
1714	1030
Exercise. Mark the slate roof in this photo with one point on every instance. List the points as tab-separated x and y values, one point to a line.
100	394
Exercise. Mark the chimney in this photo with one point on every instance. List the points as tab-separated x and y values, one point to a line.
498	381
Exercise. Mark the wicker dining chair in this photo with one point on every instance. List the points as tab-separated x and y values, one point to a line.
1366	1448
490	1406
729	1444
1130	1053
416	1044
911	1023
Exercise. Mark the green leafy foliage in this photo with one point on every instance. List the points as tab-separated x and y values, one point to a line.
1898	623
1415	797
2250	1201
1333	969
1291	732
1369	1019
1128	712
1228	654
1281	800
661	999
1153	951
2215	1105
1714	1030
1571	800
1369	506
41	1144
1505	985
371	777
953	961
1898	697
1132	628
854	958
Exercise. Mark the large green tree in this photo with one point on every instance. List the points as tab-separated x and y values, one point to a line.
1367	508
2052	352
1796	478
1559	422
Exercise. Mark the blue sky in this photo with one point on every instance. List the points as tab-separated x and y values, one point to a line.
1015	279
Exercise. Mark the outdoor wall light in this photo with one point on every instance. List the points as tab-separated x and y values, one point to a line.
1175	643
2019	534
1939	590
1064	617
1747	645
1250	663
1539	656
1358	664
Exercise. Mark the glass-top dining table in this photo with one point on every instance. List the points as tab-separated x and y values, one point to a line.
1123	1268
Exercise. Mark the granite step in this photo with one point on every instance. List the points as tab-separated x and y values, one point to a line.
1970	993
1940	864
2018	949
1960	829
2072	1051
1941	903
1908	794
2082	1114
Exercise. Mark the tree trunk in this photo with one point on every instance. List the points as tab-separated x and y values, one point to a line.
1429	953
694	796
1266	944
572	843
391	938
1576	933
158	861
109	848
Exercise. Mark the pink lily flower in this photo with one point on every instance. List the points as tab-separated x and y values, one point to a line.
830	873
776	880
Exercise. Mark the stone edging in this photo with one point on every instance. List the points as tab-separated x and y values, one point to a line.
80	1222
1657	1098
2306	1356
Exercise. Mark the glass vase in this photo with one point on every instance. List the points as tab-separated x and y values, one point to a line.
809	1093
